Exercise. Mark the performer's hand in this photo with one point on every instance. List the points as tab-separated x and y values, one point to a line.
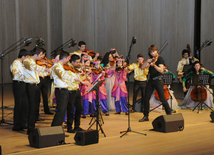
184	89
87	83
152	64
190	57
97	55
47	70
149	60
202	68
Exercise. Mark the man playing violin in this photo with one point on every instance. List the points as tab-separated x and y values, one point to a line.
156	69
67	92
82	48
140	78
32	80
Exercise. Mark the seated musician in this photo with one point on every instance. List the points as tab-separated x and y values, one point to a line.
188	101
186	60
169	95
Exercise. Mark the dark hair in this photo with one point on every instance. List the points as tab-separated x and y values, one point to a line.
140	55
105	60
23	52
63	54
43	50
57	53
152	48
193	67
36	50
80	43
185	51
74	57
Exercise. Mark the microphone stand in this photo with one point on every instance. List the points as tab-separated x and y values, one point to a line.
64	45
2	77
129	126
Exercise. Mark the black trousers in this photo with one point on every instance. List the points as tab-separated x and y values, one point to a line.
21	105
32	93
62	96
44	86
75	99
139	85
158	85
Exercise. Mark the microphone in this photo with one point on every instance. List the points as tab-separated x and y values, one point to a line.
27	40
72	43
133	40
208	42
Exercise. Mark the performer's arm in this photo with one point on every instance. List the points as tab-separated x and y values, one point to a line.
184	81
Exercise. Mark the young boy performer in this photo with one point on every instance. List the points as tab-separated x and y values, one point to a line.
140	78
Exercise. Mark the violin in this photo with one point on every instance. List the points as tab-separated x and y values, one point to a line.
119	69
98	71
166	93
69	68
140	65
44	62
154	59
92	53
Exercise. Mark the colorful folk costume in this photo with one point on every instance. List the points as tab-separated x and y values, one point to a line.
88	98
119	91
102	90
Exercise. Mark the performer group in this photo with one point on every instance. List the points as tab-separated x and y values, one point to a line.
72	75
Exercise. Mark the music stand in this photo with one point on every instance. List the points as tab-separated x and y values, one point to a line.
167	78
201	80
96	87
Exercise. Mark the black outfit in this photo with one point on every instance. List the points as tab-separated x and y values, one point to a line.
62	96
44	85
139	85
32	93
75	99
155	82
21	105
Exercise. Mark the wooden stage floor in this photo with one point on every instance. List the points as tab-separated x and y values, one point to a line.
197	138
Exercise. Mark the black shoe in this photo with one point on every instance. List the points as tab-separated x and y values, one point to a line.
126	113
83	116
117	113
107	114
70	130
92	115
173	111
145	118
78	129
49	113
17	129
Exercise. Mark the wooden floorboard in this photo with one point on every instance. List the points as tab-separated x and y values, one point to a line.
196	138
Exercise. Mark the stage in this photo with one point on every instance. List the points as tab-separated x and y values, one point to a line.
196	138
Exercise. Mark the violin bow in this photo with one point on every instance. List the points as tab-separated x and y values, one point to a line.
162	47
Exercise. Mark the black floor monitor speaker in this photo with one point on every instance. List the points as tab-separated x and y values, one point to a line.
86	137
212	116
48	136
169	123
